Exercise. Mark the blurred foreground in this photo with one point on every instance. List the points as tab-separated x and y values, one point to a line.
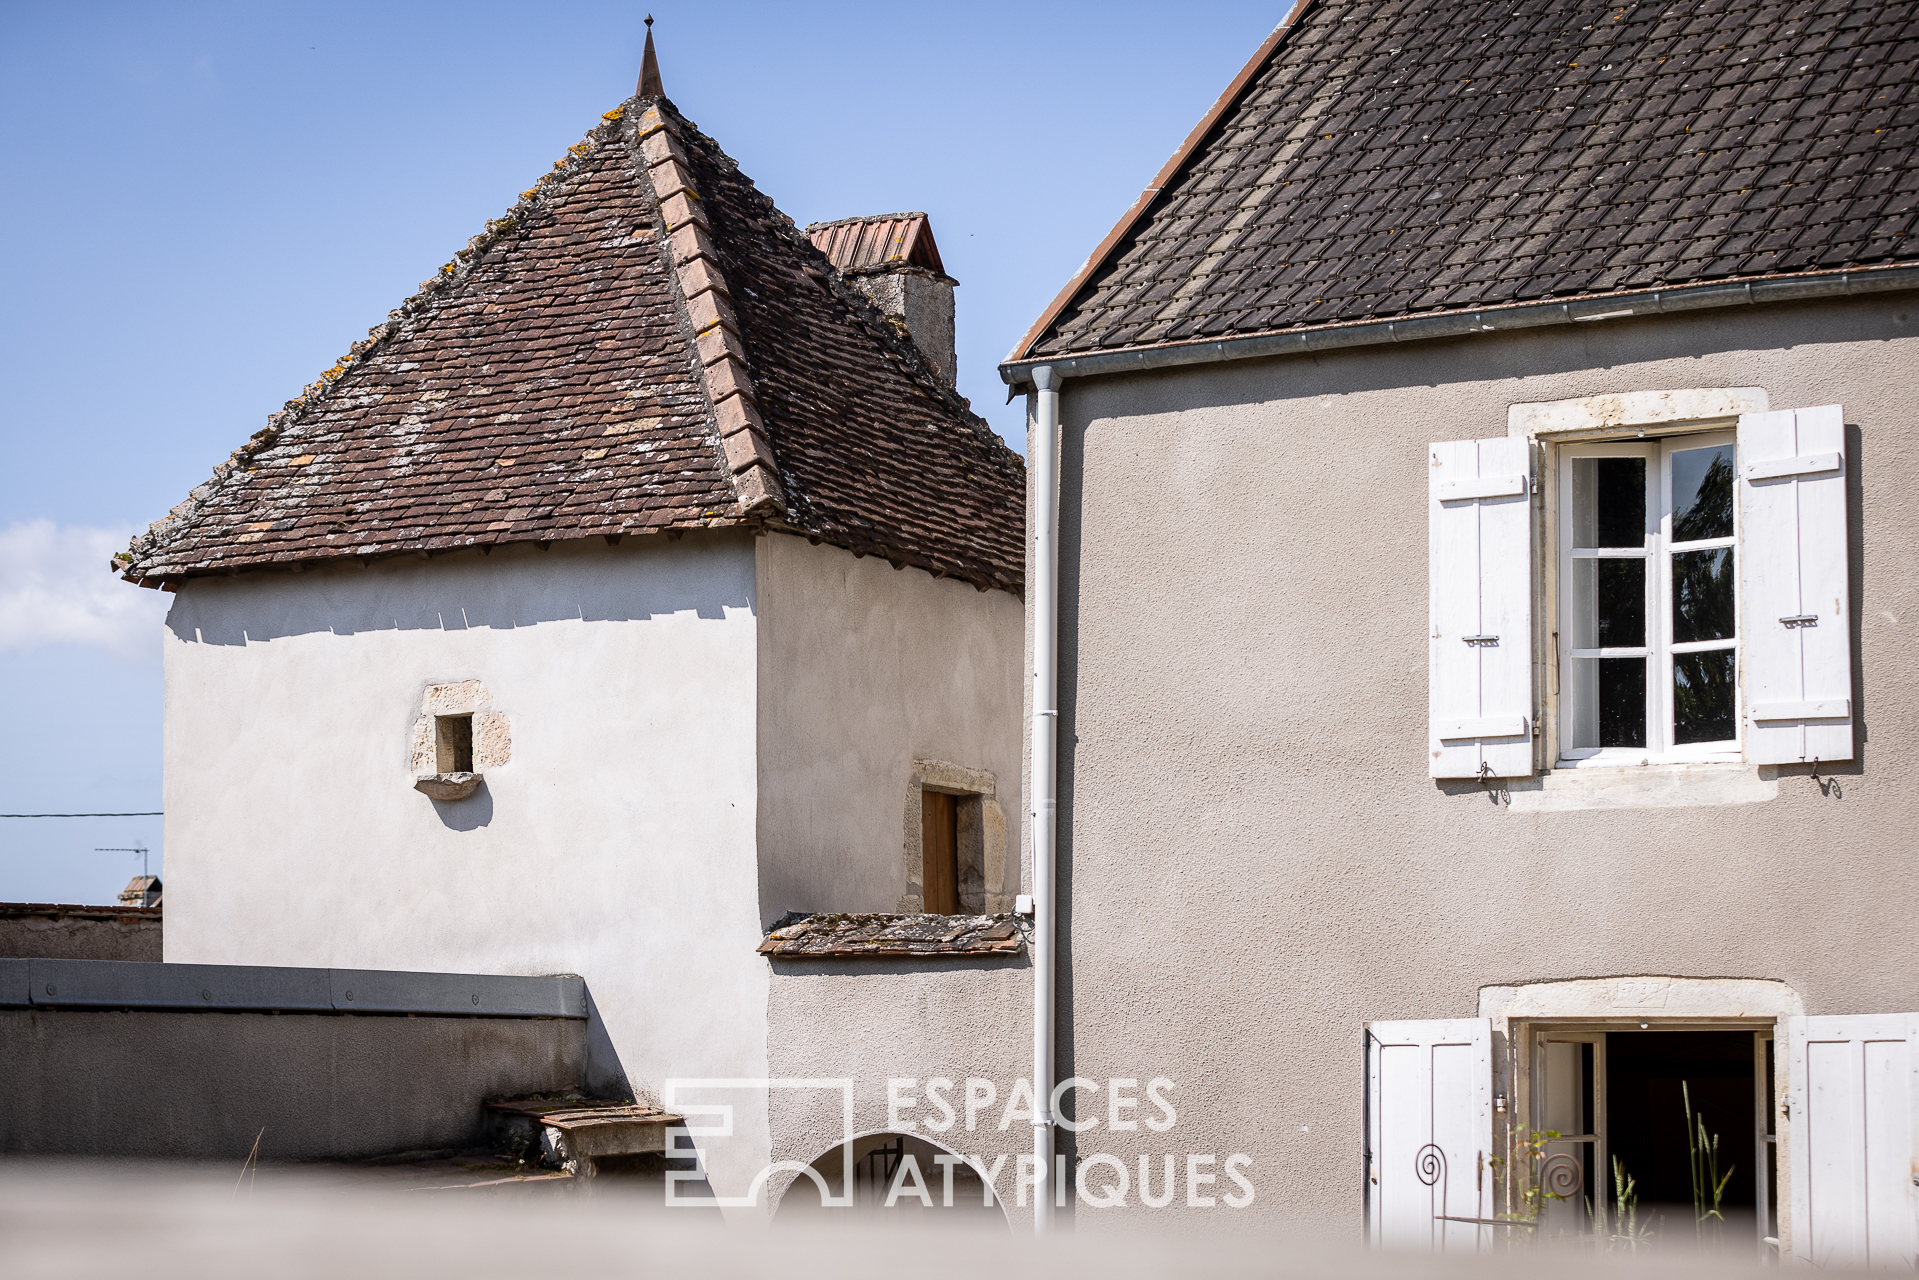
65	1218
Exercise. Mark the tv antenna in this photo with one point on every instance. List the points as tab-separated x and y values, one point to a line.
138	848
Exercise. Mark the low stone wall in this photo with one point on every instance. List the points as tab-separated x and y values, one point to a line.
60	931
194	1062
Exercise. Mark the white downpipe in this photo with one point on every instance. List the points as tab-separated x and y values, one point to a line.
1043	456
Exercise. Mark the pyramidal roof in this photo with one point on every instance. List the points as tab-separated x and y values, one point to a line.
643	344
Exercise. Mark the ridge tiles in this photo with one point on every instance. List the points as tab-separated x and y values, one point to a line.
643	344
1391	158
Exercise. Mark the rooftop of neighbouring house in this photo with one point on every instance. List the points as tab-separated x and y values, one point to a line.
882	242
1393	158
643	344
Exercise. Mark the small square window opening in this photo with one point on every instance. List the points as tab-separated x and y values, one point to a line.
453	744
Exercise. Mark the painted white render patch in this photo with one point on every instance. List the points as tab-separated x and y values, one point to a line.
1653	786
618	843
1631	409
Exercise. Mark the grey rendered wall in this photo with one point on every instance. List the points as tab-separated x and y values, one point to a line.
867	1021
617	843
201	1086
863	670
1244	719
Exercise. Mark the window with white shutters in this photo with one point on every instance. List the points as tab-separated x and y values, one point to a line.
1694	597
1793	586
1480	662
1429	1133
1853	1121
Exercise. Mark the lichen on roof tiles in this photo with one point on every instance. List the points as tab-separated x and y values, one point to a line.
834	936
599	362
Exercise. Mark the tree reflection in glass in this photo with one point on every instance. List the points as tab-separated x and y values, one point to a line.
1702	697
1702	595
1702	494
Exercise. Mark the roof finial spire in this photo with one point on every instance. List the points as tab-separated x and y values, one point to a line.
650	67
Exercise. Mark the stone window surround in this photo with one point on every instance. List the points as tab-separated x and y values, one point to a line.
1623	1003
982	837
1620	415
492	735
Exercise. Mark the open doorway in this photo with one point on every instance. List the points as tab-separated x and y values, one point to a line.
1680	1119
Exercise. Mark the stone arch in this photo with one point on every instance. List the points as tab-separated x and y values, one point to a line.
878	1157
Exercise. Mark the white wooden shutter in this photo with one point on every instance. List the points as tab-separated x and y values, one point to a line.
1853	1102
1480	668
1795	626
1429	1132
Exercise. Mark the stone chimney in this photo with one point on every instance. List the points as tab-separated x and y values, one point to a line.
141	891
892	259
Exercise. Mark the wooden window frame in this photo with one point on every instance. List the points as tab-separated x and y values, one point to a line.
1556	525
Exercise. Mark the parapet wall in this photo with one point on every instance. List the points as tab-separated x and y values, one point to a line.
58	931
194	1062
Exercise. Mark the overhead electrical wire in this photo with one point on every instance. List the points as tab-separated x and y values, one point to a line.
157	813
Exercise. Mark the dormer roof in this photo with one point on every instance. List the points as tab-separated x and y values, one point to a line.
643	344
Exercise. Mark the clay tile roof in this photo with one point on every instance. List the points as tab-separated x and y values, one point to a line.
881	936
883	242
1384	158
643	343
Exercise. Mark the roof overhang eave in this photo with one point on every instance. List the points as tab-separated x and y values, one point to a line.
1623	305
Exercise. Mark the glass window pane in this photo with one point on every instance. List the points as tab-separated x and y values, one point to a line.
1702	493
1608	604
1702	697
1583	605
1622	702
1609	502
1581	694
1622	603
1702	595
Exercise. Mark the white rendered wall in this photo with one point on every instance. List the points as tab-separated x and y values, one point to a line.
618	842
863	670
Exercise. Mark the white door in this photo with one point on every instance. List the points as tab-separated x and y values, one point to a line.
1429	1133
1851	1112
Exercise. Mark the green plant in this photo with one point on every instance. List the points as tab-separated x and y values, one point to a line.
1626	1231
1520	1168
1707	1184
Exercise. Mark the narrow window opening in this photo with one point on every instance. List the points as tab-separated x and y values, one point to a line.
453	744
939	852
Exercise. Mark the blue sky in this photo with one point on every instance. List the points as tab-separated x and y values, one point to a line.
207	203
